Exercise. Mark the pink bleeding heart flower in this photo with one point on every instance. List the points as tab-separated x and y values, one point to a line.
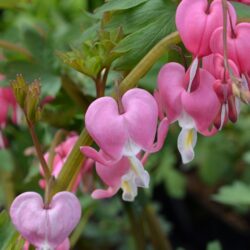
196	20
190	100
237	45
122	176
7	103
45	228
125	134
230	105
62	152
214	64
63	246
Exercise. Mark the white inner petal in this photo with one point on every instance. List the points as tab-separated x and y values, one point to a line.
45	246
186	142
186	121
131	149
129	187
193	71
224	111
244	82
136	177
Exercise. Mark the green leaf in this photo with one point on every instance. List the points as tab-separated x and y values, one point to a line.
243	10
9	237
113	5
214	245
215	159
145	32
173	180
238	194
6	160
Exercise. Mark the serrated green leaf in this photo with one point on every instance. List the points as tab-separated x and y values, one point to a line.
138	43
113	5
237	194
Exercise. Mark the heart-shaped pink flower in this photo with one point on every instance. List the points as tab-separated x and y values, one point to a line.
196	20
214	64
190	99
238	46
124	134
175	98
45	227
61	154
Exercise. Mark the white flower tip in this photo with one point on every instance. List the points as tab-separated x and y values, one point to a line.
186	143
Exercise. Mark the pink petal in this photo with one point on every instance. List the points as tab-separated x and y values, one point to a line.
237	46
202	104
170	86
161	136
196	21
106	126
140	117
111	175
214	64
38	225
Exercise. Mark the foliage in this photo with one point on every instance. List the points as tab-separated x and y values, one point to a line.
65	43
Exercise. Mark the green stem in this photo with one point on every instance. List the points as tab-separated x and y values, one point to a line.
73	164
39	152
158	238
137	228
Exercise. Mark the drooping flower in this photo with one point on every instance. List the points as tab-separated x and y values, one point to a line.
196	20
62	152
230	105
238	45
42	226
127	174
122	135
188	98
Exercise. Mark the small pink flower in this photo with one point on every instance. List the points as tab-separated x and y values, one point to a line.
8	104
62	152
188	98
121	136
45	228
196	20
122	176
124	134
238	45
230	105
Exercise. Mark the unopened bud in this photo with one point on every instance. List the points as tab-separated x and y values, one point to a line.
20	89
32	109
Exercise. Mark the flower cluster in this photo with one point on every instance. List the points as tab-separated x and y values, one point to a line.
127	129
202	98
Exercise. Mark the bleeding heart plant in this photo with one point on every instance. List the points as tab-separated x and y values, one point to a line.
45	226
